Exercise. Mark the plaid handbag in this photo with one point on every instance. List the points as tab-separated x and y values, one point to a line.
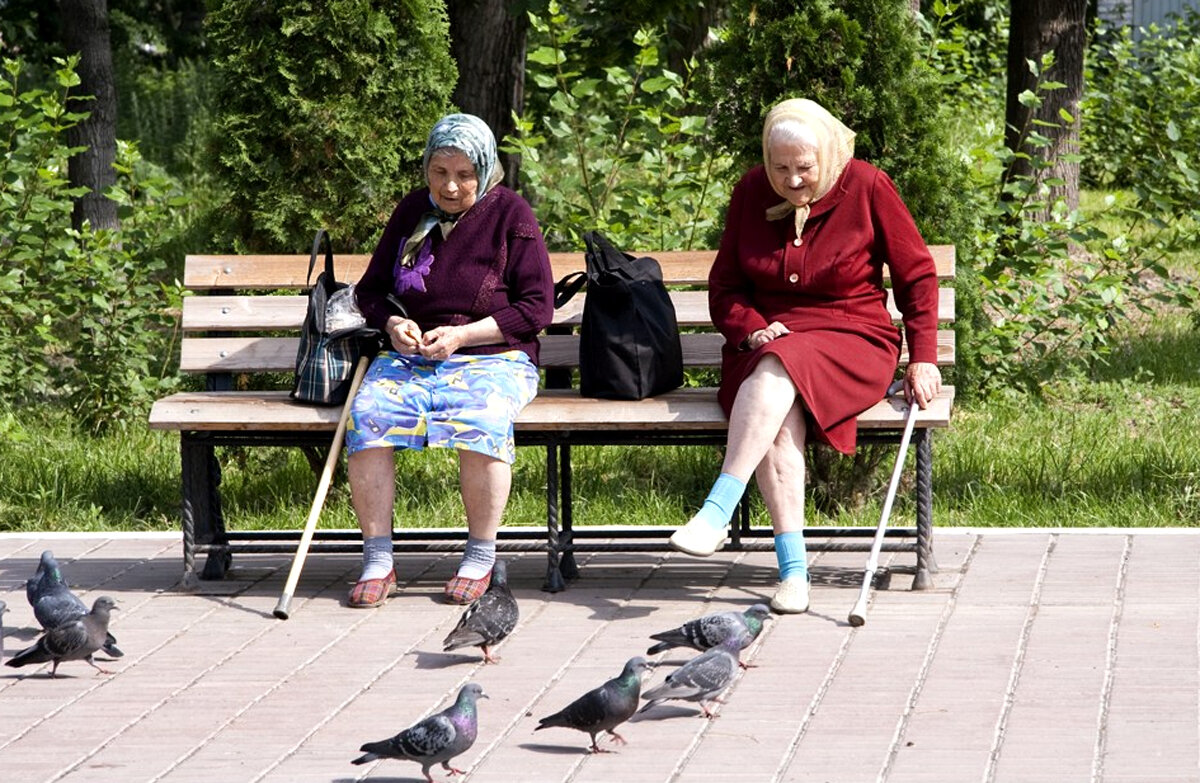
326	358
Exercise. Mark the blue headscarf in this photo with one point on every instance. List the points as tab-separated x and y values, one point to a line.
471	136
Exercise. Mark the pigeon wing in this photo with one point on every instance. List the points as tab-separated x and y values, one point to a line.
426	740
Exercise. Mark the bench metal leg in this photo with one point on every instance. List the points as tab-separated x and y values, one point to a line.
203	522
554	578
926	565
567	564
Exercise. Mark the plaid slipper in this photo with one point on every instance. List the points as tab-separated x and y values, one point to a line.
461	590
372	592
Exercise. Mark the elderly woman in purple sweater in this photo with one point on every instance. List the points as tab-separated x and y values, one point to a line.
461	285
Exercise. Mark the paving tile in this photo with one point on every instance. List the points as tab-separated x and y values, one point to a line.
1038	655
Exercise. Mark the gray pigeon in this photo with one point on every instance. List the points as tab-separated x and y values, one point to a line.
76	640
701	679
489	620
53	602
708	631
436	739
603	708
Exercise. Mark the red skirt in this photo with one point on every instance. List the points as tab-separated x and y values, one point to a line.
838	373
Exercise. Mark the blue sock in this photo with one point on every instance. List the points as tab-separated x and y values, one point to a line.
377	557
722	501
478	558
792	557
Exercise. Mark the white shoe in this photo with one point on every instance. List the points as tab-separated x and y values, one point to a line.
792	596
698	538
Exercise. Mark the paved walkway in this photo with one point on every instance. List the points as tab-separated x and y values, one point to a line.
1039	656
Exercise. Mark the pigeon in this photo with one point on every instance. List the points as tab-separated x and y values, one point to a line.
603	708
710	630
53	602
436	739
701	679
488	620
75	640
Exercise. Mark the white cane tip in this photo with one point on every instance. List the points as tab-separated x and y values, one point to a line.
857	619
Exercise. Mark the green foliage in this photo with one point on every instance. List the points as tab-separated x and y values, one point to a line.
1056	283
1139	110
617	150
84	315
860	59
323	107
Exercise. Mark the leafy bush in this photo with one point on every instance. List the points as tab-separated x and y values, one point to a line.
1055	287
322	112
860	59
619	150
84	315
1139	109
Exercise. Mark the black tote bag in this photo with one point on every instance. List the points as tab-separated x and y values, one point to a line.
629	337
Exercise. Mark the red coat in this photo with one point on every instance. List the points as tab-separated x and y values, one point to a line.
843	349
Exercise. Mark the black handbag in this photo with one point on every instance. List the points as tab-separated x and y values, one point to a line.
326	357
629	337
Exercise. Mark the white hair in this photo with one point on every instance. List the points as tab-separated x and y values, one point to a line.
790	130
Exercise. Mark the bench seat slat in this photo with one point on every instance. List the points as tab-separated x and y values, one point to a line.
209	272
681	410
278	354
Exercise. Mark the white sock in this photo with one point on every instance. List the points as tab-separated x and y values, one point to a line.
478	558
376	557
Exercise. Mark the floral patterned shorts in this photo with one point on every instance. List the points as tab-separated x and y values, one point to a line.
464	402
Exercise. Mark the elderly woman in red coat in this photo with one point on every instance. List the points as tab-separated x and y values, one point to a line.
797	291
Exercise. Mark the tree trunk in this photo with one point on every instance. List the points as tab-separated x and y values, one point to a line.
85	30
1038	27
487	40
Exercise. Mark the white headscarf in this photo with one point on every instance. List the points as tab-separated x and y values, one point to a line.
835	148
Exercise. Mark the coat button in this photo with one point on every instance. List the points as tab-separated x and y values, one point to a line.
793	277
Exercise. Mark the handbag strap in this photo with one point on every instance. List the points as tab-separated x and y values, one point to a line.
321	236
565	289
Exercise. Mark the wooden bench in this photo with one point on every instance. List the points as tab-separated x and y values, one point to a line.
240	305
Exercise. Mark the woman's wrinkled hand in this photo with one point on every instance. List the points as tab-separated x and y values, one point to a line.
404	334
439	343
922	382
763	336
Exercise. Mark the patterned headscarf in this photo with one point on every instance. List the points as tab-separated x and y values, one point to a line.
471	136
835	148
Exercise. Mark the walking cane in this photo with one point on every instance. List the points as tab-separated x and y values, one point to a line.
335	451
858	615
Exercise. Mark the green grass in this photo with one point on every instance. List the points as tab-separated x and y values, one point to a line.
1115	449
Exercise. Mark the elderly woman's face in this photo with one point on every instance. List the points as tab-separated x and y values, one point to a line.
453	182
794	170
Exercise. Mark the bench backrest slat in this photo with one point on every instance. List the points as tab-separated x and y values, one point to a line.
270	313
270	272
248	333
278	354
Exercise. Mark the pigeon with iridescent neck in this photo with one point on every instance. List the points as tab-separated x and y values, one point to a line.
603	708
53	602
708	631
433	740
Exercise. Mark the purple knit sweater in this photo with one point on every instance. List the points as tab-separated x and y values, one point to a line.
493	263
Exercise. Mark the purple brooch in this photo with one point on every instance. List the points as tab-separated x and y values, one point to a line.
413	277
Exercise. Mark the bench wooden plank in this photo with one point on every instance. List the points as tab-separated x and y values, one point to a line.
272	313
228	271
682	410
278	354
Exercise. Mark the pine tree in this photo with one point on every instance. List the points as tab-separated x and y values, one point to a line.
322	110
